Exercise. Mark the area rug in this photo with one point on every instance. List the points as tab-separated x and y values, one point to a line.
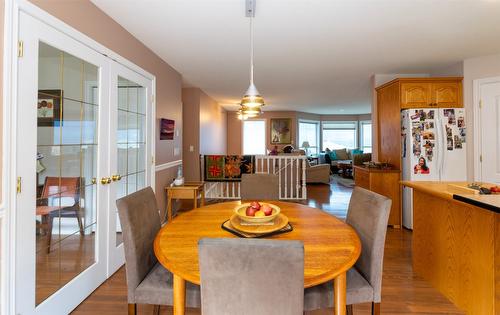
346	182
227	167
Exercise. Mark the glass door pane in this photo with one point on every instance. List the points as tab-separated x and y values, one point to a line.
130	147
66	168
131	141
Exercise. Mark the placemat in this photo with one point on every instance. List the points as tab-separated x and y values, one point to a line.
228	227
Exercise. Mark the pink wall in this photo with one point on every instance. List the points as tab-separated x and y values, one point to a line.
205	130
88	19
191	118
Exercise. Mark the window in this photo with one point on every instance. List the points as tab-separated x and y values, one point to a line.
366	136
309	131
340	134
254	137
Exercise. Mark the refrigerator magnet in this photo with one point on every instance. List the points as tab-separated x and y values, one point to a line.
462	134
428	135
461	122
458	142
421	166
449	141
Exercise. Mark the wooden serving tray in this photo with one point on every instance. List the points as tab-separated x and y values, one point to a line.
279	222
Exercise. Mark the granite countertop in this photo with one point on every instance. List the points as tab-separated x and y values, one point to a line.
452	191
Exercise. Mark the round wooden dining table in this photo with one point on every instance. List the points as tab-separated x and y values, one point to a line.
331	246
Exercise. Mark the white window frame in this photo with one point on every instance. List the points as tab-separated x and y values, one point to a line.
354	122
318	131
361	135
243	135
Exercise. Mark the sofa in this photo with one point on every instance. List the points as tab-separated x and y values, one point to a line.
315	174
352	156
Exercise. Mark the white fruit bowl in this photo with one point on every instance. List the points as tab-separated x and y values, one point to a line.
241	213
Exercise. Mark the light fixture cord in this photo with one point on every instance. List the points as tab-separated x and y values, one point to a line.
251	50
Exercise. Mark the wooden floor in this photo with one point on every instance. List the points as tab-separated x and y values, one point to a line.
403	292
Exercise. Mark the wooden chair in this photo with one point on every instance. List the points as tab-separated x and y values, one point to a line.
59	187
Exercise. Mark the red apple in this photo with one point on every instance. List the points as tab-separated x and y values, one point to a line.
267	210
250	211
255	205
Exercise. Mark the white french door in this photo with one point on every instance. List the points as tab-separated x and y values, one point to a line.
130	148
83	140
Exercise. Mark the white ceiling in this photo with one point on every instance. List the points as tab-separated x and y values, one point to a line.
310	55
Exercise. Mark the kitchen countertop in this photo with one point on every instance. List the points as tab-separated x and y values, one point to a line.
442	190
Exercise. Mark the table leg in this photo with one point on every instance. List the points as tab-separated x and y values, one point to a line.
179	295
195	199
339	293
169	207
202	193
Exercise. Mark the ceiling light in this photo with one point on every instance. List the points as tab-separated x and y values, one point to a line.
252	98
246	112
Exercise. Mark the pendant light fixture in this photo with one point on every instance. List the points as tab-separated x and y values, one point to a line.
252	101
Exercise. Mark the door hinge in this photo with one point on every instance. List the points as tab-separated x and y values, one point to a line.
480	104
18	185
20	48
153	160
152	98
480	158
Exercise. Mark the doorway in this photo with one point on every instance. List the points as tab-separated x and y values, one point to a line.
84	126
487	130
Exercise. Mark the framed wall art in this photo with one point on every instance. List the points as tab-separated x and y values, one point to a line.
49	111
281	131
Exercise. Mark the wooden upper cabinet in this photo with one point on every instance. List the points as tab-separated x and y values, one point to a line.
429	92
446	94
415	95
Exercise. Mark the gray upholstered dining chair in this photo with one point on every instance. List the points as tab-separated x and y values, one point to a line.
259	186
251	276
147	281
368	214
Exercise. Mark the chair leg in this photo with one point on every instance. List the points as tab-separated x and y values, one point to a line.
79	219
375	308
132	309
50	220
348	309
156	310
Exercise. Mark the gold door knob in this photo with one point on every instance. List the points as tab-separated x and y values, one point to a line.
94	180
116	177
105	180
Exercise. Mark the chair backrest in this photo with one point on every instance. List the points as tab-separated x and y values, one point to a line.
368	214
140	222
61	187
251	276
259	187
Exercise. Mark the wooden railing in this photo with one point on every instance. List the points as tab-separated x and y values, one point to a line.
291	171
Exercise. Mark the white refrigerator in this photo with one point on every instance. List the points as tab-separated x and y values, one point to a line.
433	149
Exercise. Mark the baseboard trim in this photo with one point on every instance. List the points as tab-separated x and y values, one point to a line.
167	165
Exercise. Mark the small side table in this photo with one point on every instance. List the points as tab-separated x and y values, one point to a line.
346	168
189	190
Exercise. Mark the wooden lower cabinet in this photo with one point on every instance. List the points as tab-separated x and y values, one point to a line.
384	182
456	247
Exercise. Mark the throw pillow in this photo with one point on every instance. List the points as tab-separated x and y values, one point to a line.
333	155
341	154
356	151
